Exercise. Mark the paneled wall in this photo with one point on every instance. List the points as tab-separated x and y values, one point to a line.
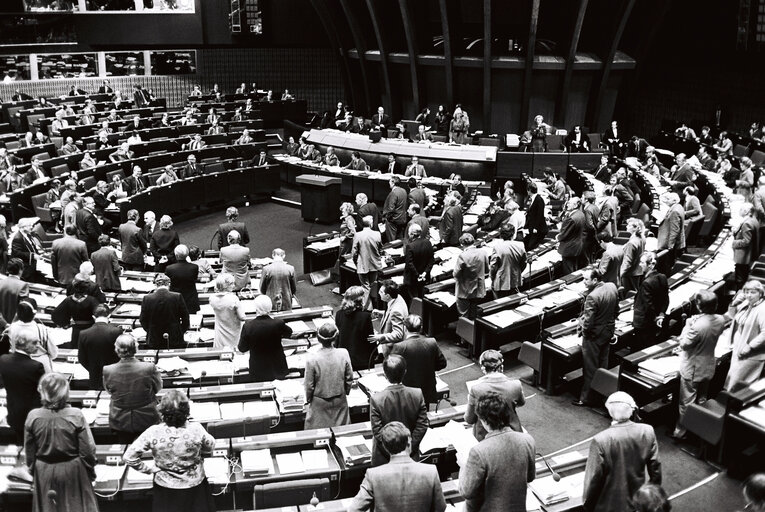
308	73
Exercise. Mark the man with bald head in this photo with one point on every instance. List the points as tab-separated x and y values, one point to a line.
88	228
236	260
164	313
232	223
183	278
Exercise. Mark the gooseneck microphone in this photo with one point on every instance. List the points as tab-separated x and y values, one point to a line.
445	399
554	473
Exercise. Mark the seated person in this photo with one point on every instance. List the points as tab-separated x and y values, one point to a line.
59	123
423	135
105	128
103	141
359	127
215	129
168	176
195	143
576	141
135	138
87	162
244	138
118	189
113	116
69	147
259	160
330	158
313	154
122	154
357	163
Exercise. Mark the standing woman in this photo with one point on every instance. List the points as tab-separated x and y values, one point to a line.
328	379
747	336
347	230
442	121
458	128
76	310
229	312
630	272
60	450
163	243
355	327
177	446
262	337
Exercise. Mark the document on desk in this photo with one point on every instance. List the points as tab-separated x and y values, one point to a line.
357	398
504	318
662	369
452	434
257	462
567	342
448	299
260	409
217	470
76	370
109	473
314	460
290	463
548	491
299	327
128	309
205	411
231	410
373	382
59	336
171	364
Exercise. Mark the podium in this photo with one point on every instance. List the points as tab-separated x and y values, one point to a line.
320	198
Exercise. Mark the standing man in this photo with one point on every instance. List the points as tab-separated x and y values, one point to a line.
495	473
381	120
619	457
596	326
470	276
396	403
536	225
392	319
67	255
28	248
507	262
571	236
235	260
164	313
132	243
232	224
450	225
697	354
149	225
417	194
88	228
183	278
191	169
106	266
614	139
12	289
423	359
366	208
96	347
382	487
651	303
591	213
745	243
367	255
671	235
611	260
415	217
278	281
418	262
394	210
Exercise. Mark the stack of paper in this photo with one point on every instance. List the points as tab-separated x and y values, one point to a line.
171	364
567	342
452	434
109	473
257	462
356	450
290	395
504	318
205	411
216	470
548	491
260	409
314	459
290	463
661	369
299	327
373	382
448	299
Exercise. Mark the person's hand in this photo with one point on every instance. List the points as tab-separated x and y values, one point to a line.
744	352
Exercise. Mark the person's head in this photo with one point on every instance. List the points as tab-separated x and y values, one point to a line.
621	406
614	124
396	438
394	368
493	411
746	163
368	221
415	160
754	291
531	187
413	324
361	199
507	231
415	231
577	129
26	341
25	311
89	203
191	159
104	240
705	301
149	217
635	227
380	111
125	346
670	198
233	237
263	305
388	290
327	334
174	408
414	209
573	204
224	282
346	209
394	181
592	276
650	498
86	269
754	492
181	252
604	238
353	299
15	266
680	159
101	311
647	262
466	240
165	222
492	361
421	129
54	391
278	254
162	280
538	120
690	191
391	158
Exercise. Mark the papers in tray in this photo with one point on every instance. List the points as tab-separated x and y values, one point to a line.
257	462
290	395
548	491
504	318
205	411
448	299
373	382
567	342
216	470
76	370
136	477
290	463
109	473
171	364
314	460
662	369
356	450
452	434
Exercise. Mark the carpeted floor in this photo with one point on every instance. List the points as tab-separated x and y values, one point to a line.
552	420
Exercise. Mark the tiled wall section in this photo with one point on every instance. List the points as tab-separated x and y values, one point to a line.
311	73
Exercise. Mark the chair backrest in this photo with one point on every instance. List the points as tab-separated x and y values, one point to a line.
758	157
152	179
58	170
41	156
710	212
594	140
239	427
214	167
89	182
291	493
111	174
554	142
12	145
739	150
440	138
643	213
38	200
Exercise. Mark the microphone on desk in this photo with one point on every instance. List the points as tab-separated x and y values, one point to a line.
201	378
166	337
555	475
313	223
445	399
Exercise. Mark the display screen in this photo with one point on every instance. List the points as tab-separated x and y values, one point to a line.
37	29
152	6
67	65
124	64
174	63
14	67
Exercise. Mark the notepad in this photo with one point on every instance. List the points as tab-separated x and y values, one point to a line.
314	459
290	463
216	470
205	411
109	473
231	410
373	382
257	462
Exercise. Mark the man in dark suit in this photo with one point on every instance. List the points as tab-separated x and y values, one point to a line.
96	347
423	359
745	243
164	312
381	120
418	262
571	236
603	171
106	88
191	168
232	214
364	208
367	254
671	234
392	166
610	263
20	96
67	255
536	225
106	265
133	386
382	487
396	403
149	225
88	228
135	182
183	278
21	374
450	225
596	325
469	274
682	174
614	139
132	242
416	218
507	263
394	210
636	147
28	248
651	303
12	289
